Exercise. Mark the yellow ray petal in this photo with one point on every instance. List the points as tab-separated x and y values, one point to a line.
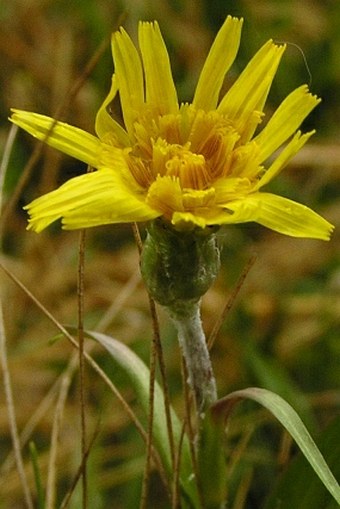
279	214
220	58
160	90
92	199
129	75
249	92
296	143
285	121
106	126
68	139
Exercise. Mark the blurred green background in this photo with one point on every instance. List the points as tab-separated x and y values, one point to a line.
283	330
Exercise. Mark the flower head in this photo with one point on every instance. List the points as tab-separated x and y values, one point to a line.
196	164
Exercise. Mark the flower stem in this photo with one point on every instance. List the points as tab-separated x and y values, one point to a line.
191	337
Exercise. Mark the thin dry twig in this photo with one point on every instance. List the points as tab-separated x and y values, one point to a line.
11	415
160	356
68	496
156	351
28	429
51	477
80	293
153	356
165	385
230	301
118	302
147	468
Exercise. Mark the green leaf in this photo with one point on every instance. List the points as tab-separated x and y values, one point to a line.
211	463
287	416
37	475
290	491
138	374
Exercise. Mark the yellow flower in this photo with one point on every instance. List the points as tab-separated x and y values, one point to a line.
194	164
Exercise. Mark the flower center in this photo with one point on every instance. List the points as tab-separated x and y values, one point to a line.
178	161
193	146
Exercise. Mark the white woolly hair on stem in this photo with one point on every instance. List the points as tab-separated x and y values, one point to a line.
191	337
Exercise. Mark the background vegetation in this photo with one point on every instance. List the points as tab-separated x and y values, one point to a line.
283	330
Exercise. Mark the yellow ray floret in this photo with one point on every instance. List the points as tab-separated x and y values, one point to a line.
280	214
160	91
195	164
220	58
68	139
92	199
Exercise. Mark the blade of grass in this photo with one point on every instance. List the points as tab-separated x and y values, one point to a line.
37	475
5	158
290	420
11	415
58	413
68	496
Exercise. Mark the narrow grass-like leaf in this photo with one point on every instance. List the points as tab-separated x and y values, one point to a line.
296	487
288	417
138	374
37	475
212	468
